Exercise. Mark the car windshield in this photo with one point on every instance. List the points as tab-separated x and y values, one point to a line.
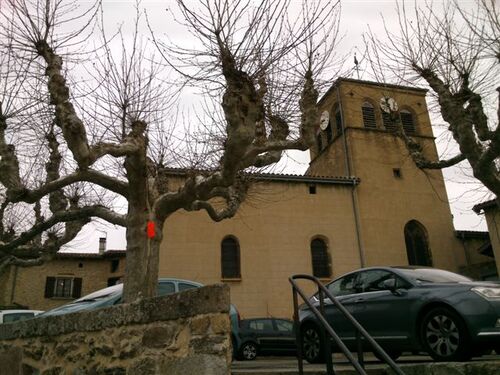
430	275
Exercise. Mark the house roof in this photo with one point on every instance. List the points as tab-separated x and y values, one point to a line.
482	206
328	180
105	255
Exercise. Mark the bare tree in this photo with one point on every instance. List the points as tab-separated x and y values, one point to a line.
455	51
257	61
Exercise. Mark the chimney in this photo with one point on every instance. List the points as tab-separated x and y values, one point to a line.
102	245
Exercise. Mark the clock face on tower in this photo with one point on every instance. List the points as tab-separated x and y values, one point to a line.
324	120
388	104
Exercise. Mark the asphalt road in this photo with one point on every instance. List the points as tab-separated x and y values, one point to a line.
283	365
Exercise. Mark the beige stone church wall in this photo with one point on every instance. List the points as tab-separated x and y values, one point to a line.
274	228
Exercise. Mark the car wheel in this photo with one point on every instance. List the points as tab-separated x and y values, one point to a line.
444	335
393	354
313	348
248	351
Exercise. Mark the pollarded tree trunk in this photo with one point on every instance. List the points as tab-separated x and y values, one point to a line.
138	273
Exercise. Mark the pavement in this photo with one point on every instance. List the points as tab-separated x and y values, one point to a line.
409	364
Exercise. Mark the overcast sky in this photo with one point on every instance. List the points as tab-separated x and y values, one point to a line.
355	18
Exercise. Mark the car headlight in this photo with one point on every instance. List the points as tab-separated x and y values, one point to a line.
490	293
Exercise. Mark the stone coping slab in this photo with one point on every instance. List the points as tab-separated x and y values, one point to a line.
189	303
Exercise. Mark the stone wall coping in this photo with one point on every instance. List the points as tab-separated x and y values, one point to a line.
209	299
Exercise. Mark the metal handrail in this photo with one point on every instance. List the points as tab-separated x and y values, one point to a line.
360	331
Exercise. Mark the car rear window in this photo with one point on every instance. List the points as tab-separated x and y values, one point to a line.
431	275
14	317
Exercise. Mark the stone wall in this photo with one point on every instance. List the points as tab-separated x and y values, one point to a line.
179	334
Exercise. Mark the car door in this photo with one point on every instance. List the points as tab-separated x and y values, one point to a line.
385	314
263	332
285	335
344	291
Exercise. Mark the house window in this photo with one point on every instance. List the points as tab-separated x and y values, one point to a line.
369	115
397	173
407	121
63	287
115	263
114	280
230	258
312	189
320	259
417	245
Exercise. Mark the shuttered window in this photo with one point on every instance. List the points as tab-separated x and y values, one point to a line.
408	122
389	124
320	259
369	120
63	287
230	258
338	121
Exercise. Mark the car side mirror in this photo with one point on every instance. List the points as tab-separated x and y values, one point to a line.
390	284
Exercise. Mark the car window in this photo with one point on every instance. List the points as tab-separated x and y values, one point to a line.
343	286
373	280
17	316
284	325
261	325
185	286
431	275
166	288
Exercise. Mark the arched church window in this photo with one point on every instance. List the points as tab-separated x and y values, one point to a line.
338	120
320	260
369	120
230	258
319	142
417	244
408	121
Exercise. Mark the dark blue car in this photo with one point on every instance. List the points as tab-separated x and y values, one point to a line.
260	336
416	309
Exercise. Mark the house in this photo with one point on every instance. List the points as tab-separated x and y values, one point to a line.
64	278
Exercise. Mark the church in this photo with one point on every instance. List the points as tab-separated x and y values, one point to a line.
361	203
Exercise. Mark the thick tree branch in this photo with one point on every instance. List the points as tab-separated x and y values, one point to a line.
65	115
76	214
110	183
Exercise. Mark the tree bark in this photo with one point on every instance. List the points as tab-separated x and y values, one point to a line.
137	281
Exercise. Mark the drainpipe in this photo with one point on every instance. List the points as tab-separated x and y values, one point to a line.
354	197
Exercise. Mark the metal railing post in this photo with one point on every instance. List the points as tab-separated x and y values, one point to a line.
298	334
326	338
359	343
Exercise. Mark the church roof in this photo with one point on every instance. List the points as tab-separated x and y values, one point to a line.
277	177
371	83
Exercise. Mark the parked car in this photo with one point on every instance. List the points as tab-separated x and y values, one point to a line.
8	316
447	315
112	295
234	315
265	336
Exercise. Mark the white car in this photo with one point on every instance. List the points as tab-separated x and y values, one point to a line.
8	316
